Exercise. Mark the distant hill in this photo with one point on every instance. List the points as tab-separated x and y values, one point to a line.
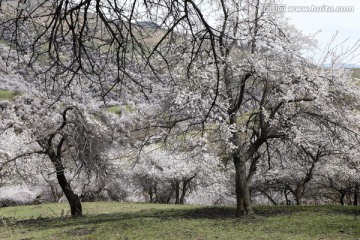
351	66
147	24
344	65
354	68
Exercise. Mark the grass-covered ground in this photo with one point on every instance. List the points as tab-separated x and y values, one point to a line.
356	73
155	221
7	95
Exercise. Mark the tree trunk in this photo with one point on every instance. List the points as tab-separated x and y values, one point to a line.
342	198
356	194
150	192
299	193
155	194
183	192
73	199
287	201
177	192
243	203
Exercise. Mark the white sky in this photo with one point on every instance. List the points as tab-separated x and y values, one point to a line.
346	23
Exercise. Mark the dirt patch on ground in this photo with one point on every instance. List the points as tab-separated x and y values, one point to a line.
81	231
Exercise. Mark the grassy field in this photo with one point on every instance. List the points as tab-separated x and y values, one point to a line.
7	95
356	73
155	221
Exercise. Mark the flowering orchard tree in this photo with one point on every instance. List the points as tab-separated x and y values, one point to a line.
72	139
339	177
74	134
296	167
15	141
168	174
248	81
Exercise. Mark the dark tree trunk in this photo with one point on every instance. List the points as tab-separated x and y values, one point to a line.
299	192
342	198
157	198
151	195
243	203
356	194
287	201
73	199
183	192
177	192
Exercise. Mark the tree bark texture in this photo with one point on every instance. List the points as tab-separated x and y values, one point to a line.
243	203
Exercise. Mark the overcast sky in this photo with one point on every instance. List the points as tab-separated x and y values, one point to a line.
346	23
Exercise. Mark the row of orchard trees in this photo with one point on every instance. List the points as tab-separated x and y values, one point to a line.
216	79
324	172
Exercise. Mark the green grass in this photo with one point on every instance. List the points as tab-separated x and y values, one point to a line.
114	109
118	109
156	221
355	72
4	42
7	95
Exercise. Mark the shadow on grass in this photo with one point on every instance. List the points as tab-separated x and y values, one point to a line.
211	213
268	211
167	214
